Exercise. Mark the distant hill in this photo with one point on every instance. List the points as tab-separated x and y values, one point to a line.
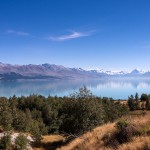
44	71
8	71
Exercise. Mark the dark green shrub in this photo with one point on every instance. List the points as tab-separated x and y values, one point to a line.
133	102
5	142
125	131
21	142
81	115
35	131
6	120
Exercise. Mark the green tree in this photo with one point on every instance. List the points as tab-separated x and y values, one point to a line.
113	110
5	142
144	97
136	96
133	103
20	121
82	93
6	120
21	142
81	115
148	102
35	130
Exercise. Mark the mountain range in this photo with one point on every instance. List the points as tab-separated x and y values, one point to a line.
52	71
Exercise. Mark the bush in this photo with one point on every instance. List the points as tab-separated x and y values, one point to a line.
39	115
145	130
6	120
21	142
125	131
35	131
81	115
5	142
133	102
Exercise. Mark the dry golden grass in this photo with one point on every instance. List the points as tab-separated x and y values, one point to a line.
39	148
47	142
137	143
52	138
91	140
124	102
138	118
94	140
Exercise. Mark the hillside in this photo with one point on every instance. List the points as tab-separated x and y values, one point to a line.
79	122
103	137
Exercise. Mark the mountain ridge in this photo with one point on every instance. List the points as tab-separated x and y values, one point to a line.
44	71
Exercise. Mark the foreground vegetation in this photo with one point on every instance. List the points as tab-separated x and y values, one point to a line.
75	114
40	119
131	132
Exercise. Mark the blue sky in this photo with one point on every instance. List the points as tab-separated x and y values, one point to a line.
108	34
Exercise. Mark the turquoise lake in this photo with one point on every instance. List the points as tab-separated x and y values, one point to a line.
117	89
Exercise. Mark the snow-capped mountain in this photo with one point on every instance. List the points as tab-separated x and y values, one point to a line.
109	72
112	72
137	71
43	71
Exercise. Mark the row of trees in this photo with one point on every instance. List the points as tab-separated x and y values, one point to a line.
137	103
75	114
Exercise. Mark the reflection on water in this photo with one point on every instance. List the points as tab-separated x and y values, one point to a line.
117	89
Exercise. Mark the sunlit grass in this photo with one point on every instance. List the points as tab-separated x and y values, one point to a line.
94	140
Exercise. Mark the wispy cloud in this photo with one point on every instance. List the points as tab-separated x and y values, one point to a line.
72	35
19	33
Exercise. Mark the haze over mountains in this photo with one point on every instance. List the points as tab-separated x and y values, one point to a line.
44	71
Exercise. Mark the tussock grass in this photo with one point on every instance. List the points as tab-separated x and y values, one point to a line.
96	139
91	140
49	142
52	138
137	143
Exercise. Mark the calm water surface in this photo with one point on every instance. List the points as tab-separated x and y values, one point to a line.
117	89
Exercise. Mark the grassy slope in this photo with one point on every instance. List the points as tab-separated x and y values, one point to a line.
94	140
50	142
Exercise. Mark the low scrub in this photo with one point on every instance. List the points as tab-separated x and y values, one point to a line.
129	133
123	133
5	142
21	142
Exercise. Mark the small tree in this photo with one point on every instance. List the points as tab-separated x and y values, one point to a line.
148	104
5	142
136	96
81	115
6	120
82	93
21	142
35	131
144	98
133	103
